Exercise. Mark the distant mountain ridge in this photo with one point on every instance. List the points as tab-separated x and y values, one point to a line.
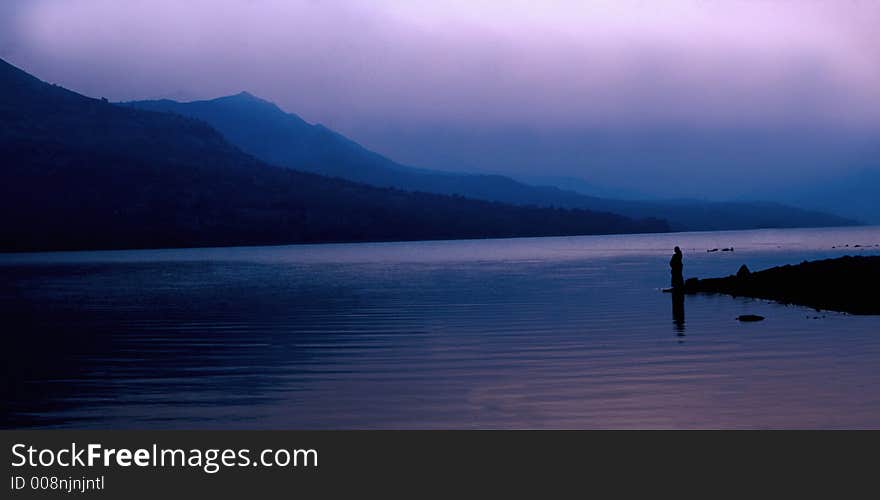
264	130
856	194
281	138
82	173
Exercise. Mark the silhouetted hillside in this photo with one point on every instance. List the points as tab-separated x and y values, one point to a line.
853	194
83	173
261	128
698	215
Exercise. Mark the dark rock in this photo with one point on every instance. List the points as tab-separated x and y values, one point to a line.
750	317
846	284
743	272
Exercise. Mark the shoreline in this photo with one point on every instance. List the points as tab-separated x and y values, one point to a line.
845	284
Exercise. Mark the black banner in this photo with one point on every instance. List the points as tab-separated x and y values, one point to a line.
262	464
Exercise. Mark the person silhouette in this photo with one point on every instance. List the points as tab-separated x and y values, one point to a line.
677	266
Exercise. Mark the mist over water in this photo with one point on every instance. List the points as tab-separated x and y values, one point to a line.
520	333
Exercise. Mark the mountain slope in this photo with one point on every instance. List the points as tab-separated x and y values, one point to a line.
283	139
261	128
855	195
84	173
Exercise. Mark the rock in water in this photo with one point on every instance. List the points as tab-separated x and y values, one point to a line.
750	317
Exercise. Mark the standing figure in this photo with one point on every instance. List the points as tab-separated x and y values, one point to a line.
677	266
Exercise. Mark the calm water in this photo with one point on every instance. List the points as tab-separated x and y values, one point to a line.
522	333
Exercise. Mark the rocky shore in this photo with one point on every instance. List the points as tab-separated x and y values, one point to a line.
845	284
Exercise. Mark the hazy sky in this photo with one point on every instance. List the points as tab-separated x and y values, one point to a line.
675	97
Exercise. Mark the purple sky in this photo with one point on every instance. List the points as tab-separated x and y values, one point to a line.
633	93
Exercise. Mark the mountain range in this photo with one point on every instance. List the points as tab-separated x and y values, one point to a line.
855	194
261	128
83	173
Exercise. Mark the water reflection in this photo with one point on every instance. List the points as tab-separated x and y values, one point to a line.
678	312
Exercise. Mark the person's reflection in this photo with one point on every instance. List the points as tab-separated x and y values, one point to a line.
678	312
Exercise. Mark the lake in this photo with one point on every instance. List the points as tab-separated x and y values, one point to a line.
517	333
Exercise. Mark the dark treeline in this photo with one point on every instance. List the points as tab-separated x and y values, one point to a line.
80	173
